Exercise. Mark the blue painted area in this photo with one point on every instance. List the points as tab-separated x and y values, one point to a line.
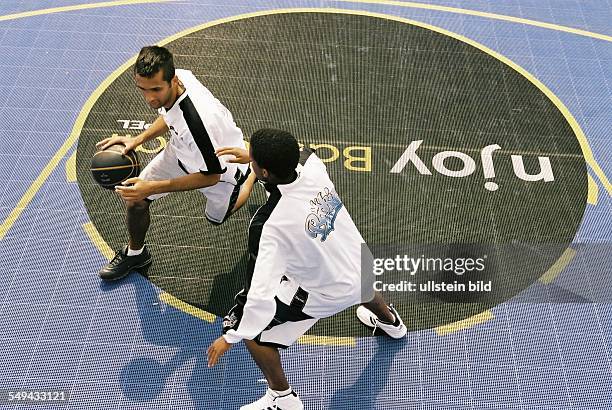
119	347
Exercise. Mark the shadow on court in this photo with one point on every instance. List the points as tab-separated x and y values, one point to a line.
372	380
169	356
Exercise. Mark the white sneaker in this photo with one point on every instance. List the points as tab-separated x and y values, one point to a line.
368	318
272	401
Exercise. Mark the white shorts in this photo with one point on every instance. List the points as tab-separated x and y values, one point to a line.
220	198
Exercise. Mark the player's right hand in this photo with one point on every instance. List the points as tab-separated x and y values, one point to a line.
241	155
130	143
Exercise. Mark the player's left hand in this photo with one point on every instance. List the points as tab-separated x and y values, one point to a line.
134	189
241	156
216	350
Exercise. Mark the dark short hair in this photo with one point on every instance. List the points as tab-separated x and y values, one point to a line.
275	150
151	59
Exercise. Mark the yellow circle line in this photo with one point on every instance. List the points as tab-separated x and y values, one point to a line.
75	7
185	307
554	271
465	324
476	13
468	322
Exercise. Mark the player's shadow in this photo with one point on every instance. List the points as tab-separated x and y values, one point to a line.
363	393
170	354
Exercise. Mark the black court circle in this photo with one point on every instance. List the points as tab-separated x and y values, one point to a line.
366	92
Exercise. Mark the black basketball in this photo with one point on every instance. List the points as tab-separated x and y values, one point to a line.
110	167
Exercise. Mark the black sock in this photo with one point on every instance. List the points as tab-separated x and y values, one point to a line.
395	322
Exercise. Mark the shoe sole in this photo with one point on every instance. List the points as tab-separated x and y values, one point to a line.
142	265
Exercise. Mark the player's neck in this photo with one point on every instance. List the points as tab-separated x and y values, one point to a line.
179	91
285	181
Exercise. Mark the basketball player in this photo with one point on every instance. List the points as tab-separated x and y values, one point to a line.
198	124
304	263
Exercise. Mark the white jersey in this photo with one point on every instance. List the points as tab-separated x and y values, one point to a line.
304	233
199	124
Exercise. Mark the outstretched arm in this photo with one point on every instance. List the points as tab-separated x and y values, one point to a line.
135	189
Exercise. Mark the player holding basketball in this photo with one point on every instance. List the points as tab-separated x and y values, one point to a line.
304	263
198	124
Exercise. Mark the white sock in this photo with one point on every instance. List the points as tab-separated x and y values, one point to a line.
132	252
282	392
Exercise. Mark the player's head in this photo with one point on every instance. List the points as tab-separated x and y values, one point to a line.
275	155
155	77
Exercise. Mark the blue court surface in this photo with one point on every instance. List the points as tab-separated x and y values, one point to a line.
132	345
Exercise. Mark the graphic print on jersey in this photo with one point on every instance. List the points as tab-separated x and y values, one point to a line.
324	207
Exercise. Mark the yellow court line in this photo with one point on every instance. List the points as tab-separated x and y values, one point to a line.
178	304
326	341
78	7
71	175
554	271
465	323
494	16
97	240
593	191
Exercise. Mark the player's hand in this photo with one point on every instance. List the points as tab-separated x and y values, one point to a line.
216	350
135	189
130	143
241	156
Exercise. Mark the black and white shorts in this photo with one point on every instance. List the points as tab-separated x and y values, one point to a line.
289	322
220	198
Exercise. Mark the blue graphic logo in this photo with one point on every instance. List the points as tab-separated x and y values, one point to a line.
324	207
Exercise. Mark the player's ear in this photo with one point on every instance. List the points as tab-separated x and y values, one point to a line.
265	173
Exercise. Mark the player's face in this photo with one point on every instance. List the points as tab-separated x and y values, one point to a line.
157	92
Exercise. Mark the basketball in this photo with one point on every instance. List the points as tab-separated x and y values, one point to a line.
110	167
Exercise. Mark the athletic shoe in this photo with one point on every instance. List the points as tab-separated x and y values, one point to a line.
121	265
272	401
396	330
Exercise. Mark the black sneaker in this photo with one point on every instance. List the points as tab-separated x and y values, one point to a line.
121	264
